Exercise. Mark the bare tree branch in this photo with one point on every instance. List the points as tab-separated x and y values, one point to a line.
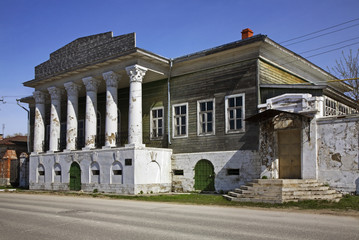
348	67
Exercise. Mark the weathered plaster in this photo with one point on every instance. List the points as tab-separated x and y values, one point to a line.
338	152
246	161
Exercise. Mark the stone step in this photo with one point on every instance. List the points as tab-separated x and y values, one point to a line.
283	190
234	194
290	189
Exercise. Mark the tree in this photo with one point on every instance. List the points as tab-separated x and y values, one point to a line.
347	67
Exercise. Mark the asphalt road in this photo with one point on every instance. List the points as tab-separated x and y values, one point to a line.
26	216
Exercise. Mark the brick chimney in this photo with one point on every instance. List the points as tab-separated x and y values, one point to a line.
247	33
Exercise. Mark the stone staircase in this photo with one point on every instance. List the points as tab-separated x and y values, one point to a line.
283	190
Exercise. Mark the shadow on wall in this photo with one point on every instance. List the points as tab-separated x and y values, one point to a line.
241	168
357	186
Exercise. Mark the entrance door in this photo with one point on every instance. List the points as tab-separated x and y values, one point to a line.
289	146
204	176
75	177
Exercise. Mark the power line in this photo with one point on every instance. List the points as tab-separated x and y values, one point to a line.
330	45
332	50
322	30
322	35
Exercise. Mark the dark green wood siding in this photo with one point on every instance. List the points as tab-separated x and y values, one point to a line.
217	83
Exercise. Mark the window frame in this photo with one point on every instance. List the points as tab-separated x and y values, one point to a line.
199	124
173	120
151	123
227	125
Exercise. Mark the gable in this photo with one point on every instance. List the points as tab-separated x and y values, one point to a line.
85	51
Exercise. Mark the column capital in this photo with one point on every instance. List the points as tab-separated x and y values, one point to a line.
39	96
136	72
55	93
111	78
72	88
91	84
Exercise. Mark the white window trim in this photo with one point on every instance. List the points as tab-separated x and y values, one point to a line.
199	119
173	122
226	113
151	123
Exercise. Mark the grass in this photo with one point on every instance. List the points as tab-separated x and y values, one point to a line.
347	203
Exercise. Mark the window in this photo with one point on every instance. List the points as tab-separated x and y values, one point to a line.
156	123
234	114
62	136
232	171
180	120
81	134
178	172
205	117
116	176
95	172
117	172
128	162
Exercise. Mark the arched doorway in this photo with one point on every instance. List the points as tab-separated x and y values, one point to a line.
75	177
204	176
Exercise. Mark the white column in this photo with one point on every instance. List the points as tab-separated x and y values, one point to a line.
72	113
111	79
55	118
91	111
39	128
136	74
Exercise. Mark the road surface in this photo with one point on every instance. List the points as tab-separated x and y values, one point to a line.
30	216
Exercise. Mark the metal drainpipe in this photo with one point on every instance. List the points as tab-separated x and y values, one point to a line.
169	103
28	125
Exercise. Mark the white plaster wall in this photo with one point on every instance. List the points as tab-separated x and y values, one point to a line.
246	161
153	167
338	152
152	170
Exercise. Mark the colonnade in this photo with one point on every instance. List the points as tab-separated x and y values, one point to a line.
136	74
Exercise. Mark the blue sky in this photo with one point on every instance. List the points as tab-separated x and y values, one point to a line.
31	29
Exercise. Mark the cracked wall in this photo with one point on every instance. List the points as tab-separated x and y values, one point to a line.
338	152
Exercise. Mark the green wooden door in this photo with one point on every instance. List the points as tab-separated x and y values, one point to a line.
75	177
204	176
